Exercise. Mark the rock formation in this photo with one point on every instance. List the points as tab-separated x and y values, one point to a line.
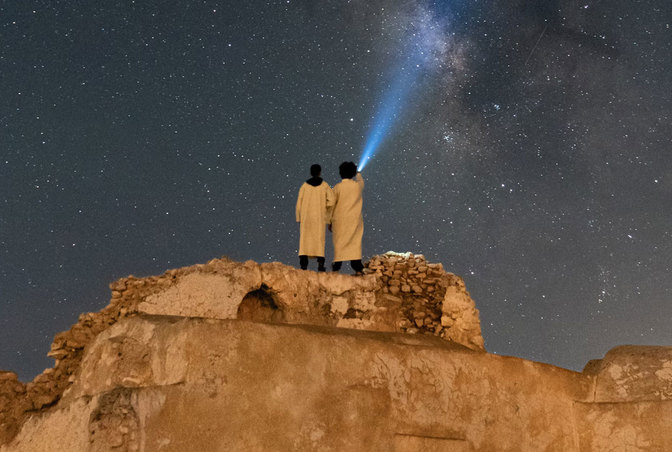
247	356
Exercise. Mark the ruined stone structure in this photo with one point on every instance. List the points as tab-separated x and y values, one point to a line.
246	356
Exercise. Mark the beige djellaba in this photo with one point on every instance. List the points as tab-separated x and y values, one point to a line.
313	209
346	220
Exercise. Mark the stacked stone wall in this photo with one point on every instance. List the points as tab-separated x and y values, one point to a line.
432	301
420	287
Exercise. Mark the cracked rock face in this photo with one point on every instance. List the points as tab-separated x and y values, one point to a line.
429	301
400	292
182	383
255	356
165	383
634	374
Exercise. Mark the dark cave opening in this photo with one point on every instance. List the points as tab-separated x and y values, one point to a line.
260	306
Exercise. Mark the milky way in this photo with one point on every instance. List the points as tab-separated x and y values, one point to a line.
531	156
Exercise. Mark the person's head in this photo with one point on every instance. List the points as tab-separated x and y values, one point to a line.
315	170
347	170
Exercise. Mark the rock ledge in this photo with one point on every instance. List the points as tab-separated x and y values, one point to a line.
400	292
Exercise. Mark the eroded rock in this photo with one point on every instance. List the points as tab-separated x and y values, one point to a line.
269	292
631	373
174	361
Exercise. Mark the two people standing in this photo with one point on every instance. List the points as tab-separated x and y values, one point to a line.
340	209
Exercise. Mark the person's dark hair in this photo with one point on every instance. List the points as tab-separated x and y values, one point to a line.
347	170
315	170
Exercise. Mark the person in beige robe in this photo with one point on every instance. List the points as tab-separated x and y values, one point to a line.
313	210
347	223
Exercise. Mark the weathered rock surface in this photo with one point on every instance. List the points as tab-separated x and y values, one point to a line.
272	292
156	383
438	304
392	360
634	374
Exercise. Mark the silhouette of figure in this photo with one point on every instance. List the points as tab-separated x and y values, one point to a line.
313	209
347	223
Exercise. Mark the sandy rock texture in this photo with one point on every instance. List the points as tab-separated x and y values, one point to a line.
632	409
248	356
158	383
399	292
270	292
634	374
169	383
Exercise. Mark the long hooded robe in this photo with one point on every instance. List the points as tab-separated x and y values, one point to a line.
346	220
313	209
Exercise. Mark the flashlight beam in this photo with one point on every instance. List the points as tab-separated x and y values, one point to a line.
388	112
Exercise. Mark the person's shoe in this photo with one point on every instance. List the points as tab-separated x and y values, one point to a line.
321	268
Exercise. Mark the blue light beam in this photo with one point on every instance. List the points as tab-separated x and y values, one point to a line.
388	112
425	49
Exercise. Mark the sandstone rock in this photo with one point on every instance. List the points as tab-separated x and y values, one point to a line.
128	381
419	314
404	323
332	389
634	374
340	305
6	375
224	289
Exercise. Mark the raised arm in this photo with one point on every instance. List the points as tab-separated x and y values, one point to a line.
359	179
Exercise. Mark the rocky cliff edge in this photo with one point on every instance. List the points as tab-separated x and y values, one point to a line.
400	292
247	356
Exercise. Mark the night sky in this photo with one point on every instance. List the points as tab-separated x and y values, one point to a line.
525	145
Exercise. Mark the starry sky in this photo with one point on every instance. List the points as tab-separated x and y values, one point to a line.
523	144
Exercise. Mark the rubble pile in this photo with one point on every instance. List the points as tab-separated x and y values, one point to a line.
420	287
